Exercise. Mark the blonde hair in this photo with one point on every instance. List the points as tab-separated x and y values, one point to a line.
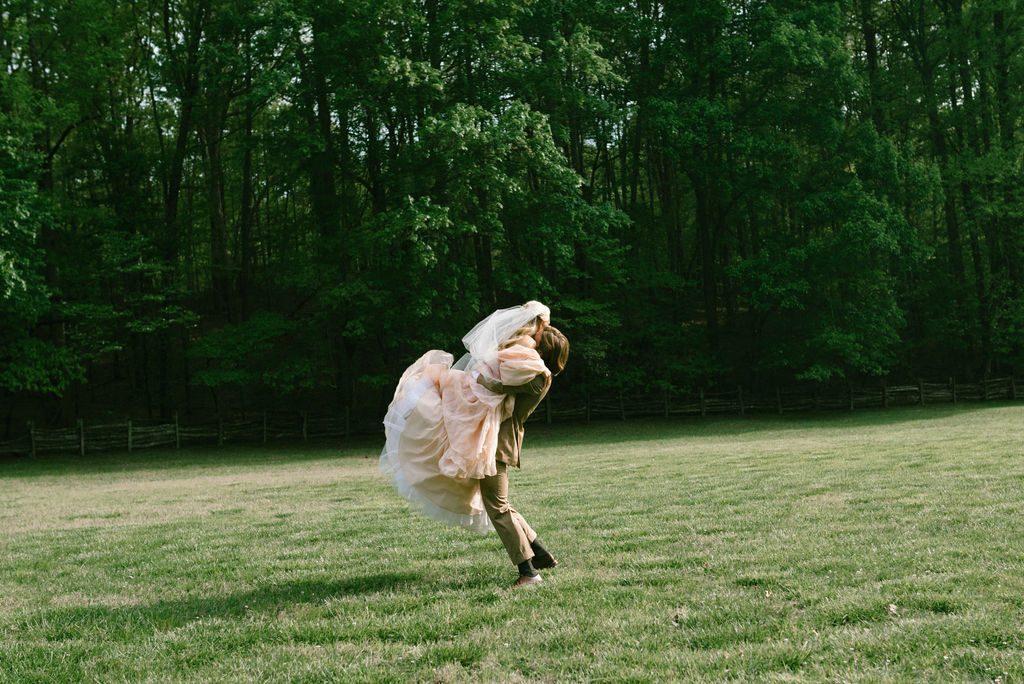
529	330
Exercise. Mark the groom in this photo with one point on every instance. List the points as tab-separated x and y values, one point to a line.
520	541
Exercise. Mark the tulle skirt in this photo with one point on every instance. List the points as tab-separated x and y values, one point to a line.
418	454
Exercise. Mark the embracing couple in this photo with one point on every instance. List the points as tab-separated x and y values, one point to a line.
453	429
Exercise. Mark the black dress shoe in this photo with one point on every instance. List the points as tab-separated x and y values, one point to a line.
544	561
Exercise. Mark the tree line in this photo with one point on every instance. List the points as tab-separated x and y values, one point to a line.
214	204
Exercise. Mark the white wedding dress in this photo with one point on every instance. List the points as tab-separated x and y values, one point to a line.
441	428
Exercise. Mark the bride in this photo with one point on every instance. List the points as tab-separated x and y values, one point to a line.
441	428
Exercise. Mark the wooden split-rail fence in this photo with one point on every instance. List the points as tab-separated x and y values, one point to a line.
275	426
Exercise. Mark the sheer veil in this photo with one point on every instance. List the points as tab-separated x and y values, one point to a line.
486	337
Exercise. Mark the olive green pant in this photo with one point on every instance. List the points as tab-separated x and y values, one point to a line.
511	527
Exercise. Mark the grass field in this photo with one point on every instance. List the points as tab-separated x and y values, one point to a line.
875	546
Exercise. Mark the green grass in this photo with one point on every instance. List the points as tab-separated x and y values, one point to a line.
874	546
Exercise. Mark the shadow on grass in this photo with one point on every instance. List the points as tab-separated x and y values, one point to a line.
126	623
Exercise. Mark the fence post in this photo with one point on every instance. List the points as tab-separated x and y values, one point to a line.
920	391
32	438
1013	389
885	394
305	426
129	435
703	407
665	391
177	432
984	388
849	389
739	391
778	399
952	381
81	437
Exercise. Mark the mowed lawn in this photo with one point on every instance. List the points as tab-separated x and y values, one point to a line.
873	546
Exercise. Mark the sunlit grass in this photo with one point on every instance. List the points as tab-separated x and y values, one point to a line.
874	546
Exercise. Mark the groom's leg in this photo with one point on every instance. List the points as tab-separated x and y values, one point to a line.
512	529
523	525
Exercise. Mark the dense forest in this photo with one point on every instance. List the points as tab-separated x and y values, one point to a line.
214	205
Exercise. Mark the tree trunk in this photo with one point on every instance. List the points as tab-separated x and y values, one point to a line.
220	259
373	164
1004	115
705	235
324	161
246	211
188	84
871	53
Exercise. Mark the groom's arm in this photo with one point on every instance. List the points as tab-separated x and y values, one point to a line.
535	386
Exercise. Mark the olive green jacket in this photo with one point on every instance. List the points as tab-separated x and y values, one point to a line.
527	397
